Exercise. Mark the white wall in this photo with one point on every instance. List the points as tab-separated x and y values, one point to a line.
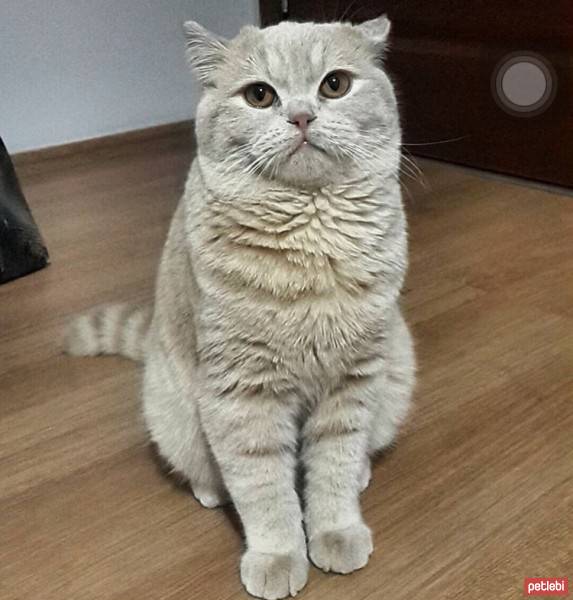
77	69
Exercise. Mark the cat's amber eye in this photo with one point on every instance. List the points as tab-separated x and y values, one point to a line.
259	95
335	85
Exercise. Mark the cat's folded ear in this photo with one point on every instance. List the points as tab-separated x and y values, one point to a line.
205	51
376	31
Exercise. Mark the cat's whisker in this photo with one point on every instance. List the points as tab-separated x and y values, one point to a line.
346	14
411	162
446	141
419	174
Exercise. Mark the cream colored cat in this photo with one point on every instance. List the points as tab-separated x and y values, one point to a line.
276	338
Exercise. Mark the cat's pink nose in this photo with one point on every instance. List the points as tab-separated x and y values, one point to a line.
301	120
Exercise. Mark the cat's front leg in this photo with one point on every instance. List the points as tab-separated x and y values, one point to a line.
335	454
253	437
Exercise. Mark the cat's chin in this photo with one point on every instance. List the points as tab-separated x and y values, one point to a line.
308	167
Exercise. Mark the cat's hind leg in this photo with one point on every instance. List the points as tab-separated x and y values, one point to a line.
396	387
172	419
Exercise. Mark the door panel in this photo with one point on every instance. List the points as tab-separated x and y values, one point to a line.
444	56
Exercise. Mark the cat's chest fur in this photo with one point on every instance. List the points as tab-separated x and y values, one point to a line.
294	284
307	344
293	244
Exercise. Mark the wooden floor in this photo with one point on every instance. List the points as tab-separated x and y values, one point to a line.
478	493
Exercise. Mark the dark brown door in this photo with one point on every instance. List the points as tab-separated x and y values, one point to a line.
487	83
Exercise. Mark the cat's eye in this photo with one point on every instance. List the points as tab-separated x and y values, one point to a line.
259	95
335	85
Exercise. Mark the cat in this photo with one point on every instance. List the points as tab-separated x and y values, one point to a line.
276	338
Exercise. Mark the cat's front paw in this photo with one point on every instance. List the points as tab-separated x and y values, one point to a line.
273	576
341	550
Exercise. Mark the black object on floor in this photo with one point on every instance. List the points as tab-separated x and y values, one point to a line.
22	249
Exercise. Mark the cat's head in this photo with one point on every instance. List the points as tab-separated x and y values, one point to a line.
300	103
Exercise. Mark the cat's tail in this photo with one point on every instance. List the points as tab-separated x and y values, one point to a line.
110	329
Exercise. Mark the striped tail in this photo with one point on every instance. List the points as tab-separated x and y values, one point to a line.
111	329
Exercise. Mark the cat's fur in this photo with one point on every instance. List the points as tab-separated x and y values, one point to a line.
276	335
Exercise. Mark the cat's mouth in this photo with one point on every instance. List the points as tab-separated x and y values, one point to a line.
304	144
